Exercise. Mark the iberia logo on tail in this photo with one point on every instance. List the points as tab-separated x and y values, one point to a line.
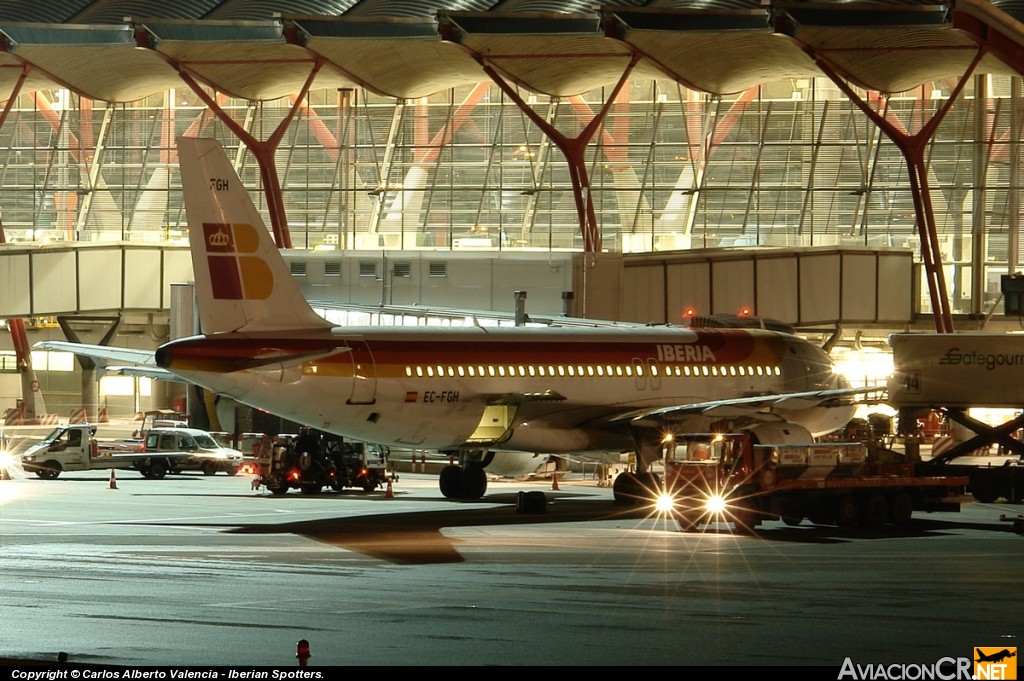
234	274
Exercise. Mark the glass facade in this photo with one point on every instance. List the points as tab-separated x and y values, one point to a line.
791	163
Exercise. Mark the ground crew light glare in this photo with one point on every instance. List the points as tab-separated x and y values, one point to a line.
715	504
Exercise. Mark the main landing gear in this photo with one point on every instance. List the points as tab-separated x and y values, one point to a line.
636	488
468	480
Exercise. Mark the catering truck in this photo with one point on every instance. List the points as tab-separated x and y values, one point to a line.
731	478
74	447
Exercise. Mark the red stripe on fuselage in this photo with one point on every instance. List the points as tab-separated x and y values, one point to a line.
704	347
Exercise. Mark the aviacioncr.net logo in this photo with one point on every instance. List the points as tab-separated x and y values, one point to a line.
995	663
943	669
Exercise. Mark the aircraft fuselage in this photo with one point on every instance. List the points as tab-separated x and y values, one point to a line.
554	390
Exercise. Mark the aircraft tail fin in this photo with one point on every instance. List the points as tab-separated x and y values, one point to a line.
242	282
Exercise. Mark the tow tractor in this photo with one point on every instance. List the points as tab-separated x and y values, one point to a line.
731	478
314	461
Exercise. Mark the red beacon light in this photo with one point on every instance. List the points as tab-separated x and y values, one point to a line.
302	652
689	312
745	312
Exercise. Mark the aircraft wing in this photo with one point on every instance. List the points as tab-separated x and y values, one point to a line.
745	406
155	373
102	355
132	362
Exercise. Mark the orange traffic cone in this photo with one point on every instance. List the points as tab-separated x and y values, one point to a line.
390	493
113	480
554	481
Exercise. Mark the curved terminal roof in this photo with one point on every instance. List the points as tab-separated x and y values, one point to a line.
124	50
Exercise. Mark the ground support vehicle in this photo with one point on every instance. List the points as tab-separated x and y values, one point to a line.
359	464
313	461
731	478
203	452
75	448
946	375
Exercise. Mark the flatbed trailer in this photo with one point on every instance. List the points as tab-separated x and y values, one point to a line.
731	478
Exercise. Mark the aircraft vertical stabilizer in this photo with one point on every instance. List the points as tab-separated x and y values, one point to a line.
242	282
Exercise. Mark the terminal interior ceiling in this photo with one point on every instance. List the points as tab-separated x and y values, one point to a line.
533	127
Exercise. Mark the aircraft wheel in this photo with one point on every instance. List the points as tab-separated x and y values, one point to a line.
636	488
369	485
650	487
279	490
311	489
450	481
902	508
474	482
624	488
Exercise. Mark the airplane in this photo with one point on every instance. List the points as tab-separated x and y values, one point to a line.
996	657
478	393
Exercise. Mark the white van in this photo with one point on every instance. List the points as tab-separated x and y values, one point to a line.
204	452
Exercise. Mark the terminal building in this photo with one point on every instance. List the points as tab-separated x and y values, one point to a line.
847	169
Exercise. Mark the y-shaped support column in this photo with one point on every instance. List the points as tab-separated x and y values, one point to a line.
263	151
573	148
913	147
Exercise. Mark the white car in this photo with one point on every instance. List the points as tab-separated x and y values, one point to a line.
204	452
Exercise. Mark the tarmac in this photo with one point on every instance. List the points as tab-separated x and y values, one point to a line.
206	571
